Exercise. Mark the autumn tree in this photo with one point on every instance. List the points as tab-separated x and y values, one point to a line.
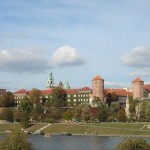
7	100
35	96
121	116
7	114
83	112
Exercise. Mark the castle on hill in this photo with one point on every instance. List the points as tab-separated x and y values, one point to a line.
86	94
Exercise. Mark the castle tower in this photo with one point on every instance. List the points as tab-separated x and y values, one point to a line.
98	87
50	81
138	88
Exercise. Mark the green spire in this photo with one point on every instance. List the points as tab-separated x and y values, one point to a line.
67	86
50	80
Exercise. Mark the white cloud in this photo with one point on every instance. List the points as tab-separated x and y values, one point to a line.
116	85
141	73
139	57
22	60
67	56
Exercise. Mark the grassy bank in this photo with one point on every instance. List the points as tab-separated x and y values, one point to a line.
126	129
100	129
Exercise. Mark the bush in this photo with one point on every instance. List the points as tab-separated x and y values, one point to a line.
16	141
133	144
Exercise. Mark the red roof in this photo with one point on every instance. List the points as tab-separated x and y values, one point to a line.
98	78
119	92
45	92
21	91
147	87
137	80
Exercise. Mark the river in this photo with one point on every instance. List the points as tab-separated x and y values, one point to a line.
58	142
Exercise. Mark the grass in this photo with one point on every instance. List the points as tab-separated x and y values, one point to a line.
101	129
10	127
84	128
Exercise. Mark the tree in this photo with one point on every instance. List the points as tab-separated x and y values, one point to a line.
133	144
121	116
16	141
35	96
7	100
7	115
102	112
58	98
83	112
132	107
25	105
67	115
57	101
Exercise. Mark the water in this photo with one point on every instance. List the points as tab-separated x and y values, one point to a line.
56	142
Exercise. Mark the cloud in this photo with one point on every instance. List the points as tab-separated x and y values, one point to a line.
22	60
141	73
67	56
115	84
139	57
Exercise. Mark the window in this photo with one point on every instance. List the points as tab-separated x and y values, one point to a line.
68	100
46	96
68	95
74	95
74	100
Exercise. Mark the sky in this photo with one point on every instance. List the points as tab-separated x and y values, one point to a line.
76	40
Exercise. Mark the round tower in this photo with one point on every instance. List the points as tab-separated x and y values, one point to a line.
98	87
138	88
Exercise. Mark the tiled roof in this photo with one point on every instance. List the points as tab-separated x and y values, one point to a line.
98	78
147	86
119	92
21	91
137	80
46	92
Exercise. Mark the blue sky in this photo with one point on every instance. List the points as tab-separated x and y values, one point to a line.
75	39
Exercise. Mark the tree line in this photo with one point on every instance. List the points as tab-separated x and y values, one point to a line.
33	109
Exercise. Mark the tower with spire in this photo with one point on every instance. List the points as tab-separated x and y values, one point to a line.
67	86
50	81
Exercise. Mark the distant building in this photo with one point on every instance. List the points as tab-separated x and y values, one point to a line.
138	88
98	87
2	92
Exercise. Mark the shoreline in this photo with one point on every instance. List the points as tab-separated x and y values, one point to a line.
104	135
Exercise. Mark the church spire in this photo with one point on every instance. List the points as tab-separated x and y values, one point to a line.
50	81
67	86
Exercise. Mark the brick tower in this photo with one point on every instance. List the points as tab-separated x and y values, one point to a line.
98	87
138	88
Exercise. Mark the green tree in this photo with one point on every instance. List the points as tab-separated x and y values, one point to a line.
57	101
147	113
25	105
133	144
132	108
16	141
7	114
7	100
68	115
35	96
102	110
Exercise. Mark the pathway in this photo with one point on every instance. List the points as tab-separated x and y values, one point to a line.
38	131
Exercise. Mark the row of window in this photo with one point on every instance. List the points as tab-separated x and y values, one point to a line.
79	100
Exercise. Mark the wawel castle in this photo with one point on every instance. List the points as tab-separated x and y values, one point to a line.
86	94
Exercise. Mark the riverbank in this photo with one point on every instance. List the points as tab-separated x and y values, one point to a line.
98	129
84	129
